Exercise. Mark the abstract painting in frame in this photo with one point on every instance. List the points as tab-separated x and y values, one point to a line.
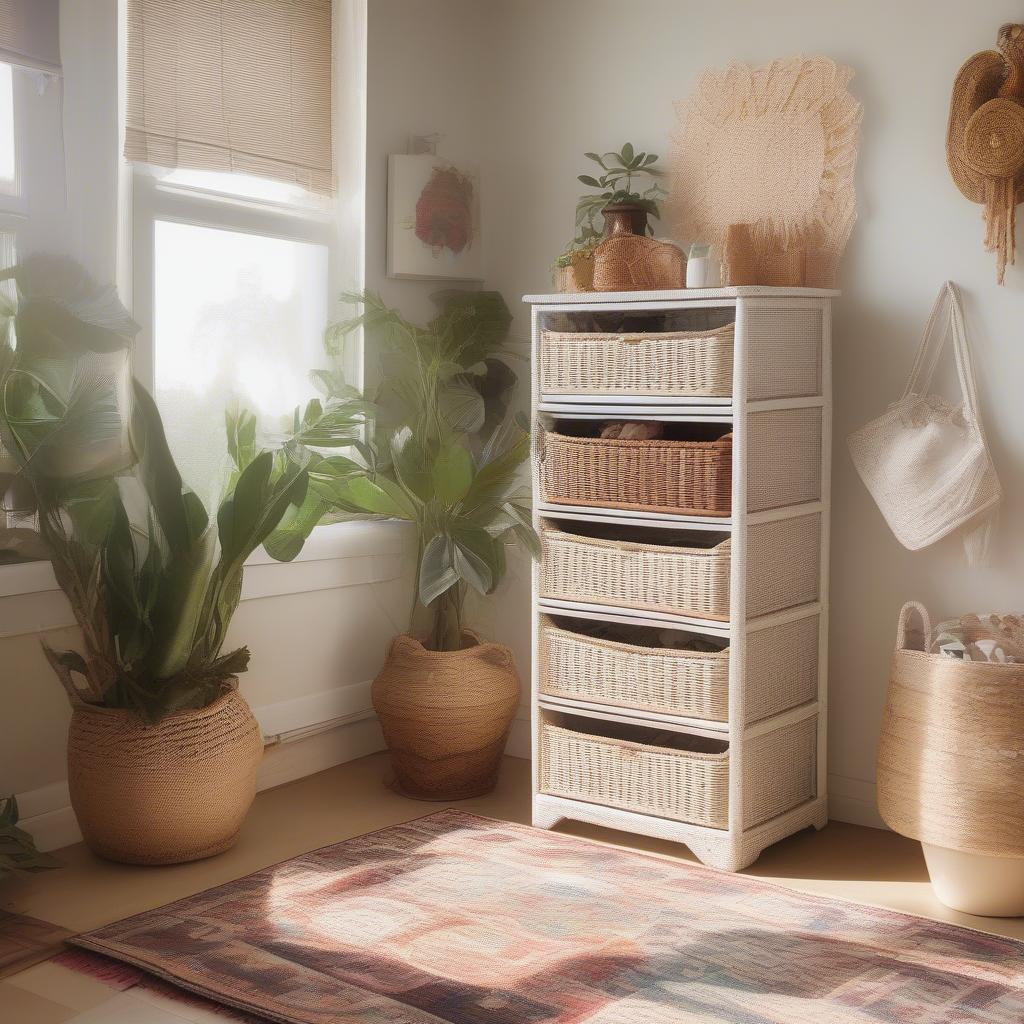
434	218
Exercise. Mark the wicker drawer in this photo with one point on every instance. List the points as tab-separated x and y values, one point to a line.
656	363
632	673
587	565
668	774
692	477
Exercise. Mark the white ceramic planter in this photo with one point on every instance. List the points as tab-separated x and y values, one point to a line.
974	883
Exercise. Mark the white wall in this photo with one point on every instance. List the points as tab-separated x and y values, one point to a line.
590	74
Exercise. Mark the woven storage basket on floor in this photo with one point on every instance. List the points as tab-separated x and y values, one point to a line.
446	716
165	793
951	756
656	577
657	363
600	766
660	679
691	477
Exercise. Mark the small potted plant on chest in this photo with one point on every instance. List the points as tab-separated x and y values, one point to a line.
446	458
162	748
620	256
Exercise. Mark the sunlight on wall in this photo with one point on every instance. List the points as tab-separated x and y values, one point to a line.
235	315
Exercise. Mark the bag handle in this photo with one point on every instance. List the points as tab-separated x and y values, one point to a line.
945	319
915	628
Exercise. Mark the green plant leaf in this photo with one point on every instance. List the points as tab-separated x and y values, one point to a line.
452	473
473	556
437	573
627	154
589	179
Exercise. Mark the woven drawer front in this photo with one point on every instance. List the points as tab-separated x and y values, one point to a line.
650	779
783	564
784	347
783	458
654	476
668	363
649	576
781	668
779	771
677	682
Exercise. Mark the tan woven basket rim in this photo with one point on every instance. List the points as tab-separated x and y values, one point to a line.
194	714
995	667
719	444
479	646
647	748
721	548
628	336
616	645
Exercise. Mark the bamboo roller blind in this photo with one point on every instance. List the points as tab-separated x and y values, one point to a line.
29	34
232	85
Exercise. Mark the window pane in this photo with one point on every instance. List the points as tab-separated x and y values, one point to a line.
244	186
235	315
7	160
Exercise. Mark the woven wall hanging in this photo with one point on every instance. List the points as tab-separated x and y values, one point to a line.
770	152
985	139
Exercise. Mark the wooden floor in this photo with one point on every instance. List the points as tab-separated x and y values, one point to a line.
846	861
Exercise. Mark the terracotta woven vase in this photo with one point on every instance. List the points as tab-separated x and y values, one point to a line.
165	793
446	716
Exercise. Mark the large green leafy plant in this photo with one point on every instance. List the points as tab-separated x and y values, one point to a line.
153	579
445	455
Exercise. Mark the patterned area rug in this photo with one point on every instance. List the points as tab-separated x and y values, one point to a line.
460	919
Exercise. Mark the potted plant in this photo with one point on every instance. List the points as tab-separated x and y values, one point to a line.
162	749
625	211
445	458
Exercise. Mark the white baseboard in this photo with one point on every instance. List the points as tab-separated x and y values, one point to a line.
853	800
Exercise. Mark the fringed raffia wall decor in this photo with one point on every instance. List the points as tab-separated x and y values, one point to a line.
985	139
770	152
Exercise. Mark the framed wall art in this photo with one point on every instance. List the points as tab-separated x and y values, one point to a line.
434	218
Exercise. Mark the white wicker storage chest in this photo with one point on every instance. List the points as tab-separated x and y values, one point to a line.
679	659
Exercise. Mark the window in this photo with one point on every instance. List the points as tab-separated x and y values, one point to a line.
233	230
234	314
8	157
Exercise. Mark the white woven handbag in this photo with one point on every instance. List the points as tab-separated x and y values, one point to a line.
925	461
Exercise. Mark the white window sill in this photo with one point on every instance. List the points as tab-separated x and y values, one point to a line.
336	555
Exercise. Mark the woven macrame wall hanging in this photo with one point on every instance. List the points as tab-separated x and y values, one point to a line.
762	166
985	139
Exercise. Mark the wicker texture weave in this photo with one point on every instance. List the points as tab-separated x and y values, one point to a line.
655	577
656	363
783	458
166	793
684	785
694	477
950	760
666	680
783	561
779	771
625	262
782	665
446	715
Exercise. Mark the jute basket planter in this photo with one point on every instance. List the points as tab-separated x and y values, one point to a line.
951	770
165	793
446	716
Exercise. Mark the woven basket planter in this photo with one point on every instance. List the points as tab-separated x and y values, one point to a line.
673	775
689	477
661	363
951	769
165	793
656	577
446	716
626	675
